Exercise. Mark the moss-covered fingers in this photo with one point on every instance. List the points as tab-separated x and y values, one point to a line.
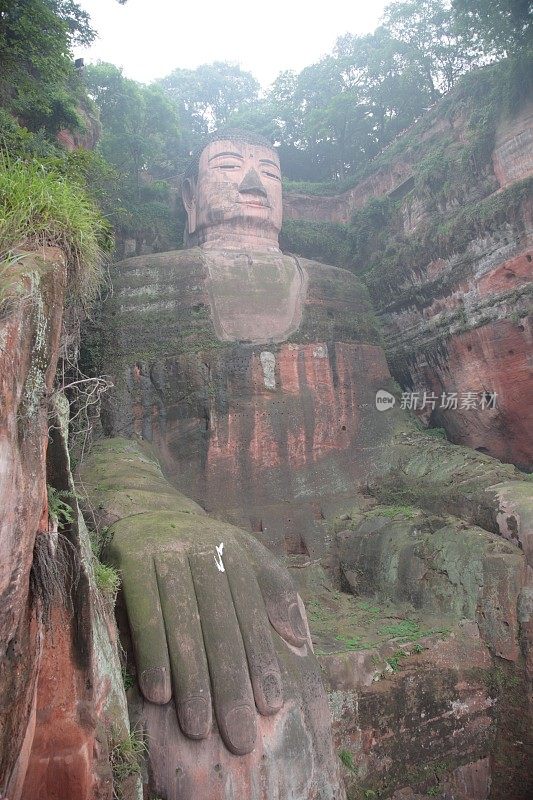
199	596
216	627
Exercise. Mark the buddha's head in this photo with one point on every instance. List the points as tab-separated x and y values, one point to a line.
232	193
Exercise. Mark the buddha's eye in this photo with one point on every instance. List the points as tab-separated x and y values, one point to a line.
228	167
271	175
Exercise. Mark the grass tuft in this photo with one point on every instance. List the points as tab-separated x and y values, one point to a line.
107	579
125	757
39	208
409	512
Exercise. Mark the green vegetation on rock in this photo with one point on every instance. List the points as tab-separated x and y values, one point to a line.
125	756
40	208
59	511
454	181
107	579
347	759
38	81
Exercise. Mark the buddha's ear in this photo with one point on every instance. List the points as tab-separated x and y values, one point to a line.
188	195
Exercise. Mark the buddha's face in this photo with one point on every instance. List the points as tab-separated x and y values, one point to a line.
237	195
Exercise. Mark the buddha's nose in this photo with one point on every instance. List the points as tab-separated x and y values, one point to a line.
251	184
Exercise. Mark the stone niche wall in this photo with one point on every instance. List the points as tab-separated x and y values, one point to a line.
461	323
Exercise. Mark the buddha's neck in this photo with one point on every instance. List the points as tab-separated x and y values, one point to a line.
247	239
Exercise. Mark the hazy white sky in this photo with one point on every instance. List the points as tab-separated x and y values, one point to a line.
150	38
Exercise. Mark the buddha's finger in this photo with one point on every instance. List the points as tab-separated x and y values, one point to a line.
188	662
256	632
278	591
233	698
139	584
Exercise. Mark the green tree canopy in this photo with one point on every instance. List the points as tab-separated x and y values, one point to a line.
206	96
502	26
141	141
38	82
141	129
432	42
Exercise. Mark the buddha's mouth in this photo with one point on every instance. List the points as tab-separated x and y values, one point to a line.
257	202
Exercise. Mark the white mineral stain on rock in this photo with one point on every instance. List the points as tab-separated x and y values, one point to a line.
320	351
268	362
218	558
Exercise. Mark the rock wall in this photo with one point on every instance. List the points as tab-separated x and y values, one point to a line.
29	340
463	325
60	680
513	154
458	323
422	658
393	176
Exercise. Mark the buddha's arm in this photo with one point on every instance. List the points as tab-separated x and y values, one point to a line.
201	597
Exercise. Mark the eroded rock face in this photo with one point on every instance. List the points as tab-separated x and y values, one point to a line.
29	340
512	157
472	333
61	762
87	136
414	728
469	326
439	567
53	686
80	703
459	323
426	687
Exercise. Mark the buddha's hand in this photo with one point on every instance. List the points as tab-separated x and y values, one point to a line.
201	597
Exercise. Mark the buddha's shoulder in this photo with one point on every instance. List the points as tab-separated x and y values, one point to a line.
325	280
158	267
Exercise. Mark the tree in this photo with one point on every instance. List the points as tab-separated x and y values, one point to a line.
207	96
141	130
141	141
259	118
37	78
388	84
76	20
503	26
432	42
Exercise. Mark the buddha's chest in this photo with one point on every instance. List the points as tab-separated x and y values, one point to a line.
254	297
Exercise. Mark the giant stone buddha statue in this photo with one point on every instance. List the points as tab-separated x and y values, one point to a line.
252	373
243	417
216	403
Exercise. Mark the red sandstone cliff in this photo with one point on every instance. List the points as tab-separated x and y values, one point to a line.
458	322
60	683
